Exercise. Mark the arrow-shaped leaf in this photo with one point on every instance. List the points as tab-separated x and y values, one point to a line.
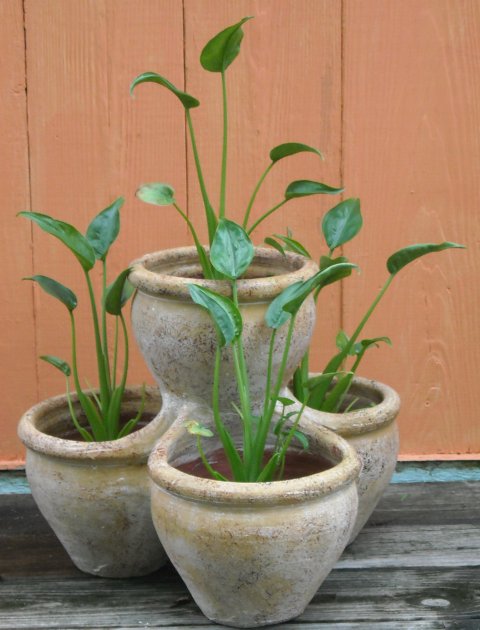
114	296
342	223
103	230
187	100
232	250
223	49
404	256
157	194
291	148
305	188
60	364
56	290
224	313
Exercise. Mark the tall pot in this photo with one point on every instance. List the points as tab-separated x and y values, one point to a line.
177	337
373	432
253	554
95	495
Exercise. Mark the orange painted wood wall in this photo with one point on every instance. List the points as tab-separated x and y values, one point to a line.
390	91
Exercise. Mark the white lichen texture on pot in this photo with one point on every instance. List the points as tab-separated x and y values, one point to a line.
177	337
95	495
372	430
253	554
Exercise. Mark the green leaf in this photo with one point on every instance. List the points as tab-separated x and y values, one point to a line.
195	428
320	379
224	313
334	398
57	290
103	230
275	315
157	194
187	100
400	259
128	291
275	244
305	188
60	364
326	262
342	223
70	237
115	294
341	340
291	148
286	402
223	49
366	343
232	250
292	245
302	438
332	273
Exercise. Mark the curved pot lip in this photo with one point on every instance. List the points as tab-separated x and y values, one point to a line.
293	268
359	421
265	494
132	447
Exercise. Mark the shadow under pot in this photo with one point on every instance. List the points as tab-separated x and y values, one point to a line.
95	495
253	554
177	337
371	428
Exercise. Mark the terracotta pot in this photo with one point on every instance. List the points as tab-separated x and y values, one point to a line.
177	337
373	432
253	554
95	495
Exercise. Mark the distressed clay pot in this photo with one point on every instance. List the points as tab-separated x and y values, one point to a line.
373	432
253	554
177	337
95	495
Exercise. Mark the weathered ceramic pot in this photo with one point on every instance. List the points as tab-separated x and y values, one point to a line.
95	495
253	554
177	337
373	432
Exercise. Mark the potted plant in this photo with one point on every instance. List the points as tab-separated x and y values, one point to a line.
87	451
252	522
360	410
175	337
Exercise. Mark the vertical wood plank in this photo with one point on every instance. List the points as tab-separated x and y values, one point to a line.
17	343
283	87
412	149
91	142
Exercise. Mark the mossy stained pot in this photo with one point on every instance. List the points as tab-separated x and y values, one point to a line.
177	337
373	433
95	495
253	554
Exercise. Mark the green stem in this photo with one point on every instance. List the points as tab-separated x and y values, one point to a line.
206	267
268	383
289	438
254	194
223	179
213	473
115	355
104	323
104	389
267	214
210	214
123	382
76	380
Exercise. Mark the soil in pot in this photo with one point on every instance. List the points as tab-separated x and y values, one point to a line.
298	464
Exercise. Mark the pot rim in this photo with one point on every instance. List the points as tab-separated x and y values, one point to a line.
292	268
135	446
359	421
264	494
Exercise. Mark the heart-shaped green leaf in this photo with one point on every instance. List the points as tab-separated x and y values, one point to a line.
275	316
291	148
103	230
157	194
404	256
222	49
232	250
224	313
70	236
56	290
60	364
187	100
115	294
342	223
305	188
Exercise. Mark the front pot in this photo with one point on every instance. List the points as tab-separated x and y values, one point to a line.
177	337
253	554
95	495
373	433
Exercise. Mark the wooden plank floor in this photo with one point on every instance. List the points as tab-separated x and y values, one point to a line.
415	566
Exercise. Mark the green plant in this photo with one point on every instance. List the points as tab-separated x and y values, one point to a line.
217	56
327	391
231	254
103	410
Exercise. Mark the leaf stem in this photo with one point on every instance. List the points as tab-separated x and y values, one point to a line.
104	389
254	194
267	214
223	179
104	323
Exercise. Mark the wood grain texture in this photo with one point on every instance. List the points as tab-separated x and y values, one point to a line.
372	586
17	338
411	150
283	87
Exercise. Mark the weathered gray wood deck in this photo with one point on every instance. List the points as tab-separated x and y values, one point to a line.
415	566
